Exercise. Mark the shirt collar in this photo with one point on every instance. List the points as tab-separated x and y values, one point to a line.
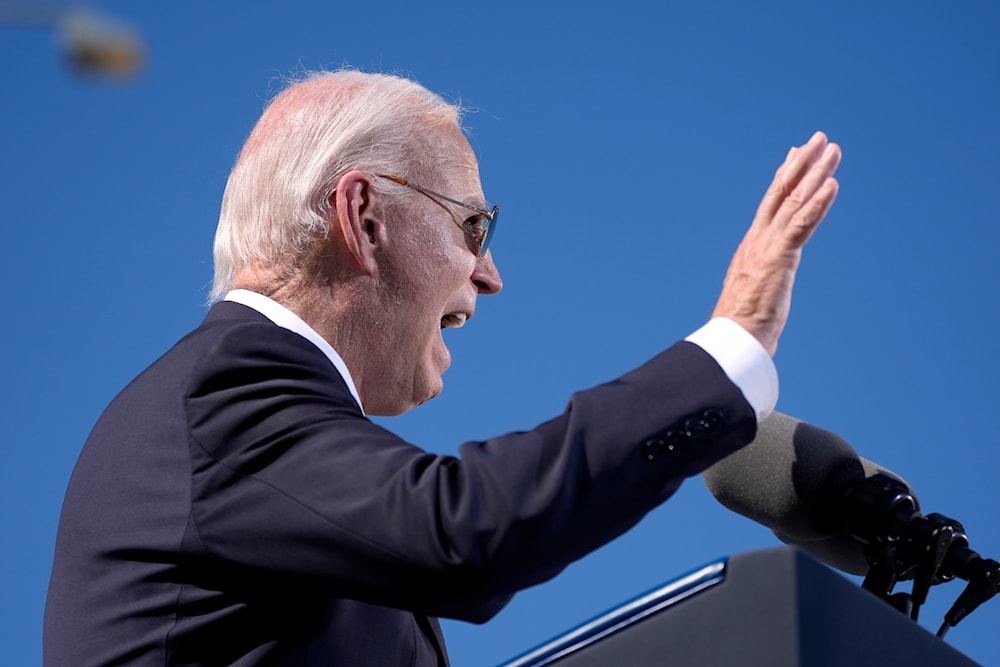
286	319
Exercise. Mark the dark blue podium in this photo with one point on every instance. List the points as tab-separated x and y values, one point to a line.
774	608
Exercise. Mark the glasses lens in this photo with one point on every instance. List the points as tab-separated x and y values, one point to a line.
491	226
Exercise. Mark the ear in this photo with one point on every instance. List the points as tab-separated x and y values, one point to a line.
355	217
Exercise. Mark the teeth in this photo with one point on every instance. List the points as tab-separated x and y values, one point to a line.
453	321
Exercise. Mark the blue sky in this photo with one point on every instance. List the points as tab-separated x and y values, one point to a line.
628	144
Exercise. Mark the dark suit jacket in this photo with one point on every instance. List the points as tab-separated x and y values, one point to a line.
233	506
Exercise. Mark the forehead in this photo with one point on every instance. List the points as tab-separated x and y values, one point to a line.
456	167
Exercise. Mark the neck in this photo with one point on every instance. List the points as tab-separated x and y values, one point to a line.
340	311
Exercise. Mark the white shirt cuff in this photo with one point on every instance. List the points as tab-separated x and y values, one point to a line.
743	359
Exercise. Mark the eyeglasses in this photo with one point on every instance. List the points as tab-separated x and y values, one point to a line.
479	229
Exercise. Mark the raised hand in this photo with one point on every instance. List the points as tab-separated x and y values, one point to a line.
757	292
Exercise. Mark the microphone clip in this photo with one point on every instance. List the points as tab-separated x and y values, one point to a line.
900	543
903	544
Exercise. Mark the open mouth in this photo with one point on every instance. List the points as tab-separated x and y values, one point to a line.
453	320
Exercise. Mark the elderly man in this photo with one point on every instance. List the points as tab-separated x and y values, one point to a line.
234	505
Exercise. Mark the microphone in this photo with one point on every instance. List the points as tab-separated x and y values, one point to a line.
793	478
814	492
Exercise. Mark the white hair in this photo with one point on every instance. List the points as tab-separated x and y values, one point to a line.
277	200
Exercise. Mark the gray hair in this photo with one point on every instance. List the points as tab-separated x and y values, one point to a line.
277	200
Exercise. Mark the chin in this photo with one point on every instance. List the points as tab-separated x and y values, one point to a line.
428	378
433	391
433	395
395	406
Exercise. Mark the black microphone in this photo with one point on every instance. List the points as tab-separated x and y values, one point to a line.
793	478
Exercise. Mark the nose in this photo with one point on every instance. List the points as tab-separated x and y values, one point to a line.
486	276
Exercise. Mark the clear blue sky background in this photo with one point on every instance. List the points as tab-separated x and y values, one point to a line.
628	143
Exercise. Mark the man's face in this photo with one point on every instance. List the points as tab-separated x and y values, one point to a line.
431	279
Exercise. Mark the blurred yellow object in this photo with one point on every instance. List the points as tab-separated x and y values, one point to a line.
92	42
96	44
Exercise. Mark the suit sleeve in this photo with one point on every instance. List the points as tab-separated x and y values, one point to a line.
293	485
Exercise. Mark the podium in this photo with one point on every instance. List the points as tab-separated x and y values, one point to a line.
774	608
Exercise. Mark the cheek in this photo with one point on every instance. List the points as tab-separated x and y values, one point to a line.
441	248
440	276
430	268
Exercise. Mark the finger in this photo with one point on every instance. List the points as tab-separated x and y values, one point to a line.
807	219
787	177
813	179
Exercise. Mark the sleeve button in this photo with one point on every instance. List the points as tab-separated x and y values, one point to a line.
652	449
674	439
711	419
694	427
